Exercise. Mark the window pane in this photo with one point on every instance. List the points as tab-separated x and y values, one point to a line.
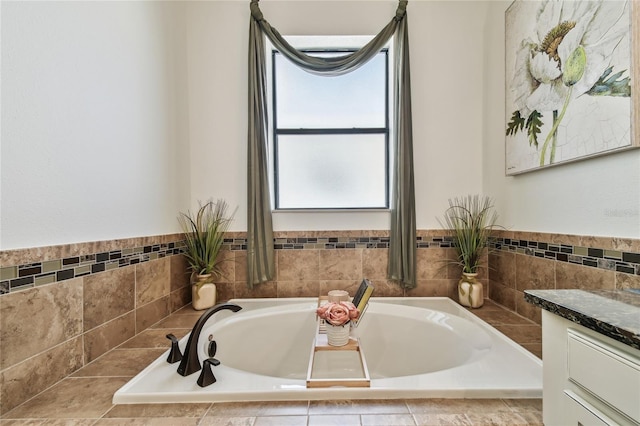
305	100
331	171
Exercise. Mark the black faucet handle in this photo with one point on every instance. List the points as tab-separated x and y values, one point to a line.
174	355
213	348
206	375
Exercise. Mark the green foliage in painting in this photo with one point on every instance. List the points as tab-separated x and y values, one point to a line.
517	123
611	86
532	125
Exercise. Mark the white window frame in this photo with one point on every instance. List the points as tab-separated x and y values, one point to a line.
330	43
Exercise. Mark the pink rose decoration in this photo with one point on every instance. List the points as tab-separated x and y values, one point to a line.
338	313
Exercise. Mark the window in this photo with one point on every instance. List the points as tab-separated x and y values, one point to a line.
330	135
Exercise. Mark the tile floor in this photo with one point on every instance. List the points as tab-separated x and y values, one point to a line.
84	398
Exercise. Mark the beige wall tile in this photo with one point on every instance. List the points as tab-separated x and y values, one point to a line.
503	233
432	263
528	310
626	244
571	240
182	297
569	275
534	273
120	363
386	288
435	288
341	264
151	313
624	281
156	338
350	286
503	295
483	270
185	320
454	270
503	268
152	280
297	265
375	263
226	291
298	288
227	267
37	319
42	254
268	289
109	335
108	295
601	242
26	379
179	272
522	333
240	259
495	315
72	398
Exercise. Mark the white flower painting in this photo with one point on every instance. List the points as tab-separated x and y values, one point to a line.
568	81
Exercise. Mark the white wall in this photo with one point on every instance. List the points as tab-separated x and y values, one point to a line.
446	41
101	100
94	132
598	196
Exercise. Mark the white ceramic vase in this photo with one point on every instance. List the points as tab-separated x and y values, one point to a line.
203	292
338	335
470	292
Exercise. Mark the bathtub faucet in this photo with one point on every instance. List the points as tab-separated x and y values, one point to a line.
190	362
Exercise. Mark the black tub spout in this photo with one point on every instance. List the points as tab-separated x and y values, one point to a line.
190	362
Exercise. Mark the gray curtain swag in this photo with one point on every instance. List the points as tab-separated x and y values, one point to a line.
402	247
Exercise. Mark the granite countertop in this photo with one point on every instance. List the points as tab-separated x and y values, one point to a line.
613	313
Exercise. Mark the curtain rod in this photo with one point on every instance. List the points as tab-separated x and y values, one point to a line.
257	13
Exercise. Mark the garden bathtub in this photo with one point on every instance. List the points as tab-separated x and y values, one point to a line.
414	348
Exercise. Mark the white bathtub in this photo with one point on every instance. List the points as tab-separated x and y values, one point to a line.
414	348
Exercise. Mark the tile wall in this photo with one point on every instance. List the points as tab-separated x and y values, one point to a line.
62	307
311	263
67	305
527	260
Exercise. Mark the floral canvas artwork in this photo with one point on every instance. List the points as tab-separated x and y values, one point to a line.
568	81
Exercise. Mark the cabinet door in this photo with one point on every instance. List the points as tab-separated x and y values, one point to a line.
580	413
608	373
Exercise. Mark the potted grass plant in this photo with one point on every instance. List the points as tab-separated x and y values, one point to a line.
470	221
203	239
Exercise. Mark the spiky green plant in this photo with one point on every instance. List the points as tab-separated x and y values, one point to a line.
204	236
470	221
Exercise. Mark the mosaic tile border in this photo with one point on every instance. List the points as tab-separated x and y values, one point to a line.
612	260
351	242
20	277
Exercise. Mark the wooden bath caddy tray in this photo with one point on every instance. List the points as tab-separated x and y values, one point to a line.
336	365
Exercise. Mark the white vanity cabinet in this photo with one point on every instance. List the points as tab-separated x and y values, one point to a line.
588	378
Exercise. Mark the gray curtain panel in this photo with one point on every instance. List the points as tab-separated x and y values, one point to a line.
402	244
260	251
402	250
